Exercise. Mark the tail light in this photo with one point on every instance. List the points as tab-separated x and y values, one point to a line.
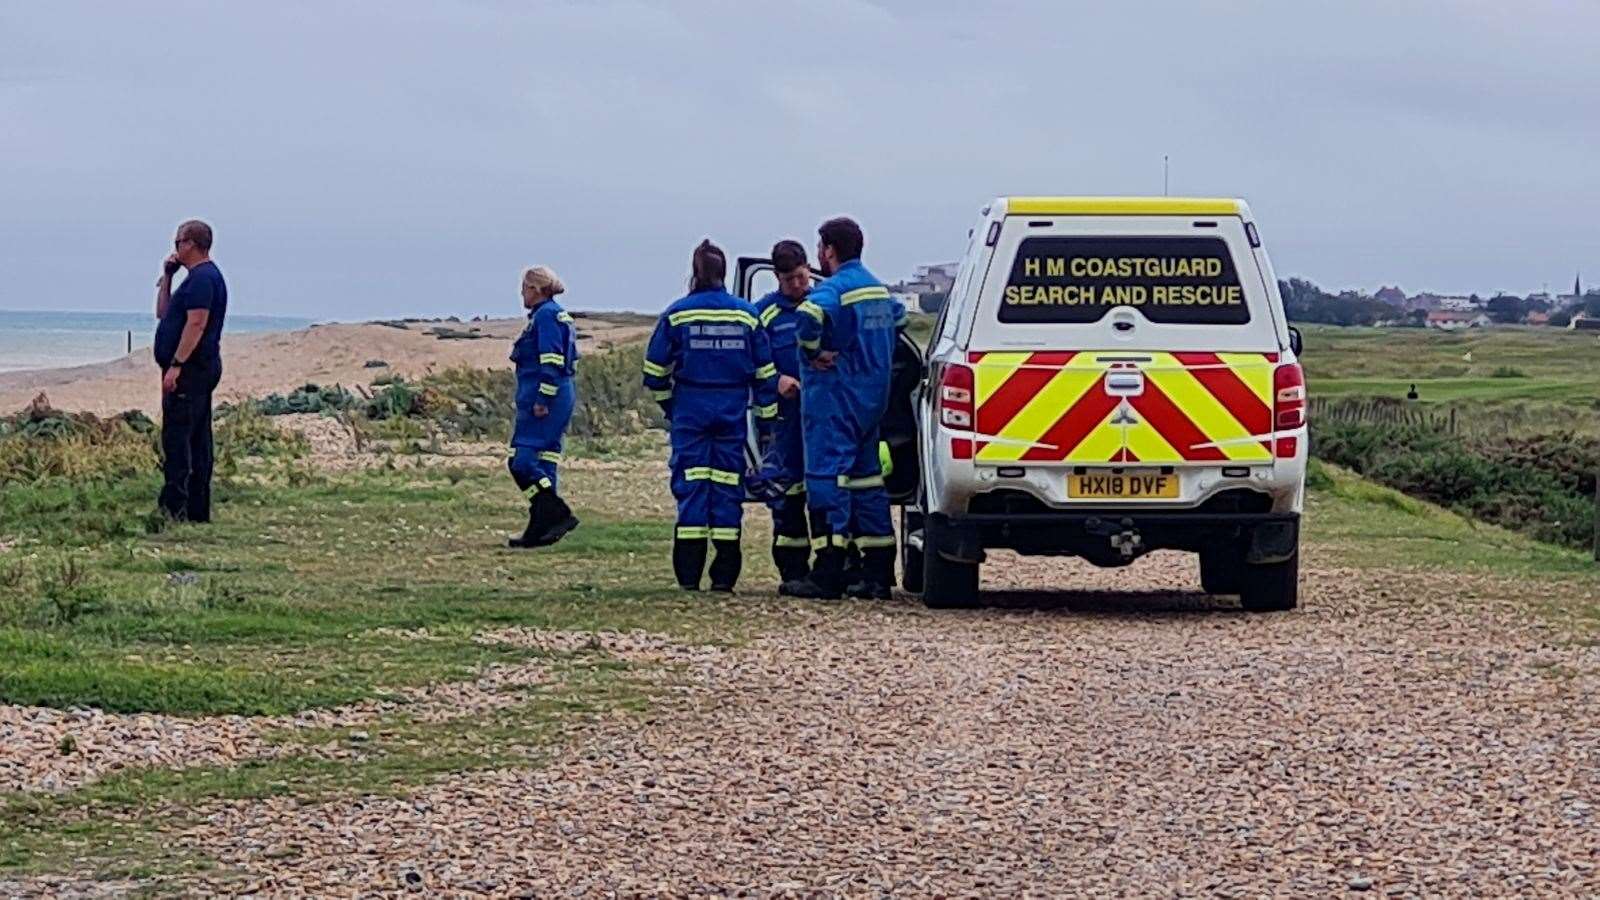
956	409
1289	397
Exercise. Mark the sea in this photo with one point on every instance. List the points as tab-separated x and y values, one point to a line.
37	339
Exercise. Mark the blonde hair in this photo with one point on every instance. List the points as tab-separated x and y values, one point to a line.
544	280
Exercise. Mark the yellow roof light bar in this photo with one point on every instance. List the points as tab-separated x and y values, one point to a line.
1121	206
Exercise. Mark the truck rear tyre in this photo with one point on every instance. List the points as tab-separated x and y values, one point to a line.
1221	571
911	563
1272	587
946	584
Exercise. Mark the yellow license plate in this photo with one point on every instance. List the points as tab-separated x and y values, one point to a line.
1129	484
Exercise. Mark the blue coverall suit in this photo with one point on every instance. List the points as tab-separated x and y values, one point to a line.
784	462
707	355
546	356
851	314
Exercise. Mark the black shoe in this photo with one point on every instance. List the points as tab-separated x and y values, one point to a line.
868	590
558	519
536	524
722	589
875	577
826	581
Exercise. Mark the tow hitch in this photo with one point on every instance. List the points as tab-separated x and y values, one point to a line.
1125	538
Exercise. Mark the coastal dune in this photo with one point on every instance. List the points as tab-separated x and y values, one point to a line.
258	364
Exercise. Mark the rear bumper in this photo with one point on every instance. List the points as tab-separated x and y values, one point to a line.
1116	537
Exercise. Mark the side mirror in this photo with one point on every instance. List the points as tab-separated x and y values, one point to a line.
1295	341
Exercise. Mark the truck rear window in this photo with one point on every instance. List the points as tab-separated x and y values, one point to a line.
1188	280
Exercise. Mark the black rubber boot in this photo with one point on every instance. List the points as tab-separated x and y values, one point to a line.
877	575
826	581
726	565
794	563
537	523
853	572
688	561
558	519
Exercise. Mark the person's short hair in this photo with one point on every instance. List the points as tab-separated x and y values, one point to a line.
844	236
787	256
197	231
708	268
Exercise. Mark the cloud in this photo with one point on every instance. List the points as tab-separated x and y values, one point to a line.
373	158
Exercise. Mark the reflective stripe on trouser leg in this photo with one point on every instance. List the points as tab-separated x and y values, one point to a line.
869	521
534	470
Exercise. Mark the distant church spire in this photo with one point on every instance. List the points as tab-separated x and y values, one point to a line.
1577	285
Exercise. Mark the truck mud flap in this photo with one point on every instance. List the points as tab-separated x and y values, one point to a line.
1274	542
951	540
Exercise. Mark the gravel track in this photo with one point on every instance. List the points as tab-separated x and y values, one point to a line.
1402	734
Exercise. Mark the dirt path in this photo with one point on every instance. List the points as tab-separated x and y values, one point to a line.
1399	734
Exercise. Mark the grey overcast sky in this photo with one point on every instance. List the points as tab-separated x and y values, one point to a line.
364	159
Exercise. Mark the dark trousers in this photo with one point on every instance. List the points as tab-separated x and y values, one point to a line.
186	448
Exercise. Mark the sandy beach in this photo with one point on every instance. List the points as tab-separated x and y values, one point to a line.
258	364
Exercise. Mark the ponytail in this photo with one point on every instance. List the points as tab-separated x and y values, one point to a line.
709	268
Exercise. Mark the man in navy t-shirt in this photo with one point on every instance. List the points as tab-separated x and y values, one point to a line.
188	348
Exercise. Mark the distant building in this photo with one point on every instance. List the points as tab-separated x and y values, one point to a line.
1458	303
1582	322
1538	317
928	287
1456	319
1392	296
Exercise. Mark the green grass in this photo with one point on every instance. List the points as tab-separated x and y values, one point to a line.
266	611
1527	379
1365	524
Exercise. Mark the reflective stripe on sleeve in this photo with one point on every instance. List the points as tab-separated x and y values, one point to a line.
553	359
548	389
551	456
810	309
661	395
564	316
768	314
811	345
770	370
860	484
691	532
656	369
861	295
770	411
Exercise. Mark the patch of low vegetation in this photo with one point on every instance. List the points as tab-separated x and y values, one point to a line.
1542	484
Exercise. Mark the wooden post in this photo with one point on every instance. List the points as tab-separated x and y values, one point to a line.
1597	516
130	343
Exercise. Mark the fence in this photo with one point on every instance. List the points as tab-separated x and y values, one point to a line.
1385	411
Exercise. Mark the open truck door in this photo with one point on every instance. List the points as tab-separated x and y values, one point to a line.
754	278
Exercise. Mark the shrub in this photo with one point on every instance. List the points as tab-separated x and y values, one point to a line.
1542	485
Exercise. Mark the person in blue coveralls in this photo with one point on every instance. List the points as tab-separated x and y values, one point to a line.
706	359
847	338
546	357
783	468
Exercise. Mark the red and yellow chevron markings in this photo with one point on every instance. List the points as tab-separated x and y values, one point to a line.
1054	407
